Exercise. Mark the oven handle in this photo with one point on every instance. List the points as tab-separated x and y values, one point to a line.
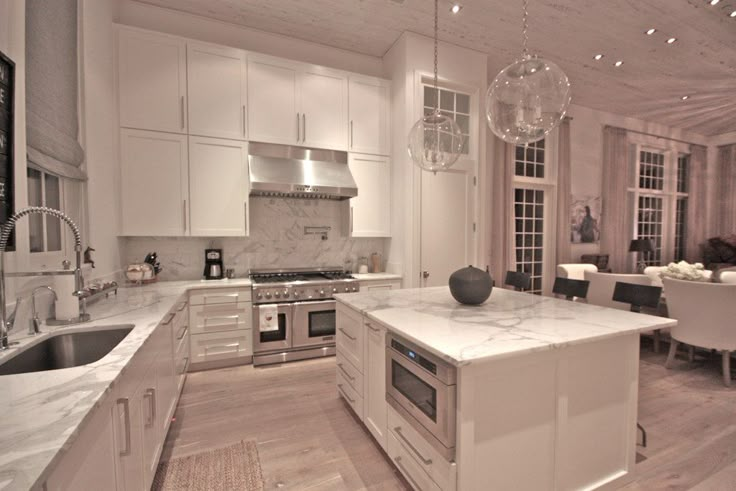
315	302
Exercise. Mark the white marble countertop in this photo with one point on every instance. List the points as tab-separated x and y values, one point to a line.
508	324
42	413
376	276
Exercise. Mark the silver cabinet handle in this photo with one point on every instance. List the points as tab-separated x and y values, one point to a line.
351	221
406	473
181	307
184	365
425	274
168	319
183	333
298	128
304	127
151	396
339	365
374	329
351	133
125	402
184	214
245	216
397	430
346	334
352	401
181	104
224	295
244	120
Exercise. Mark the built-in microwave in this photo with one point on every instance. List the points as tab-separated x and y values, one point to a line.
422	388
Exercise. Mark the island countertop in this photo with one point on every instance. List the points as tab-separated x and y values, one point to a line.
508	324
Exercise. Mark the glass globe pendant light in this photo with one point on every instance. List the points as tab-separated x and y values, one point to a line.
435	141
528	98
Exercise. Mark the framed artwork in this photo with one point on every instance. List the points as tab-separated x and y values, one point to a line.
585	219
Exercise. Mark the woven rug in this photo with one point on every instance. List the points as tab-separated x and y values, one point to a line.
224	469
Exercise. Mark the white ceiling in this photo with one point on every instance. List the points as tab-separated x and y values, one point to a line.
701	64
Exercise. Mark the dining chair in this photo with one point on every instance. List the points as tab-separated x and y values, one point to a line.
575	271
603	284
570	288
637	296
520	281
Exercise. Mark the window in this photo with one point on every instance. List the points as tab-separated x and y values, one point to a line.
529	234
455	105
683	164
44	189
530	160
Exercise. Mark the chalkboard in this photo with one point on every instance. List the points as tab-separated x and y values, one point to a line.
7	142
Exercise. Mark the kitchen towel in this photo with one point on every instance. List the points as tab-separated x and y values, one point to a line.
268	317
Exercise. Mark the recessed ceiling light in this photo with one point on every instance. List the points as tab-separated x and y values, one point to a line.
671	40
685	97
618	63
456	8
714	2
597	57
651	31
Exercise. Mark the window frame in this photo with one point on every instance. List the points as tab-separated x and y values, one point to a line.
47	259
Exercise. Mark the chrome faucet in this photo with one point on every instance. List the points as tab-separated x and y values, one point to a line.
6	323
34	325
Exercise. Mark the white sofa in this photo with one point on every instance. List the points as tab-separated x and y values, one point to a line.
653	273
728	277
575	271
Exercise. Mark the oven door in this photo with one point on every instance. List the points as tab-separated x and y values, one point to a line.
314	323
426	401
273	340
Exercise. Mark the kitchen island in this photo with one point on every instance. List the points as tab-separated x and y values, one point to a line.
545	393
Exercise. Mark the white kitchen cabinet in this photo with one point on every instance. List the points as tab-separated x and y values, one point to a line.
374	285
152	81
374	394
145	397
369	114
154	183
218	187
296	104
370	211
216	78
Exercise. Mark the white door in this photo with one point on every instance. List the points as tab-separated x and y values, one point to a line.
152	81
154	183
447	236
272	102
368	110
376	409
323	99
370	211
218	189
217	91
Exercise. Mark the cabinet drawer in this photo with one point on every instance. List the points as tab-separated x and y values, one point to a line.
221	346
354	400
220	317
410	468
350	373
238	296
350	336
424	455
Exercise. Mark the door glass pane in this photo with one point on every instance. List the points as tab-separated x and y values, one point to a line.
649	226
322	323
53	225
420	393
35	221
529	217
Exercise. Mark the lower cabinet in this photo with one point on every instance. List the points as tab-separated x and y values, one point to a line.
373	285
374	395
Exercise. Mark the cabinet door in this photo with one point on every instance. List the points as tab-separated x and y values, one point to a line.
368	110
128	442
153	168
272	102
152	81
216	78
218	189
371	210
375	411
323	103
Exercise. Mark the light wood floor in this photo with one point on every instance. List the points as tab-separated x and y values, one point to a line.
308	438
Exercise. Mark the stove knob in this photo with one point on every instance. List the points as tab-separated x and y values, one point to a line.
286	293
355	289
259	295
347	289
276	294
334	290
268	294
321	293
296	293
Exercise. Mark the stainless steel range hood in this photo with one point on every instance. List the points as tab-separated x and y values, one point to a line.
283	170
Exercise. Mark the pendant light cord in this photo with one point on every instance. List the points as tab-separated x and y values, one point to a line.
525	28
436	85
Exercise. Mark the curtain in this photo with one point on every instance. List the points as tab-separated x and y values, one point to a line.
502	211
726	205
564	248
699	212
616	223
52	121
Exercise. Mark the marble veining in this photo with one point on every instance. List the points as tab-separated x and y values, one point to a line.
42	413
508	324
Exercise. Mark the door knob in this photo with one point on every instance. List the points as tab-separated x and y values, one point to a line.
425	274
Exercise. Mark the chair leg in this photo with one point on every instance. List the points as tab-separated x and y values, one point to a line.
726	368
673	351
657	338
690	354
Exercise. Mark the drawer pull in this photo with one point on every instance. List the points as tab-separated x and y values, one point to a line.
352	379
181	307
371	327
184	366
227	296
348	335
234	317
406	473
397	430
226	348
183	333
168	319
352	401
126	409
151	396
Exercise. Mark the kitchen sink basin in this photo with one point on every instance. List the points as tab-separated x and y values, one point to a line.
65	350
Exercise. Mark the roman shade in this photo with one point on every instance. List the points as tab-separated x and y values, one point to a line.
52	120
617	231
727	189
564	197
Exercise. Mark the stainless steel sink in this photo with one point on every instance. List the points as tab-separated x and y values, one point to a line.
65	350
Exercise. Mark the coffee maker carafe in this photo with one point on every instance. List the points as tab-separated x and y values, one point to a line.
213	264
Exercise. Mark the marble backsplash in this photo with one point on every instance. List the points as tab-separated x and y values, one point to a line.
277	240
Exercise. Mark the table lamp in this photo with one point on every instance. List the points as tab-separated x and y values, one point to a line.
640	246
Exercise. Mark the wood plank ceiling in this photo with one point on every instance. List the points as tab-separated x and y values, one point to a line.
649	85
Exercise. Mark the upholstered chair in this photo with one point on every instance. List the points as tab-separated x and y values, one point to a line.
575	271
602	285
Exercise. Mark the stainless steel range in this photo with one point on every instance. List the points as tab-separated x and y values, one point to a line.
294	312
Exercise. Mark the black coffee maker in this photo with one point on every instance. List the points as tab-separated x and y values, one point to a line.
213	264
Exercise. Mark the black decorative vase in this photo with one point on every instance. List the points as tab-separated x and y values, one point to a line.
471	286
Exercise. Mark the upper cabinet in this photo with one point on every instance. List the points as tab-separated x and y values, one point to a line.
152	81
217	92
370	211
369	127
296	104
